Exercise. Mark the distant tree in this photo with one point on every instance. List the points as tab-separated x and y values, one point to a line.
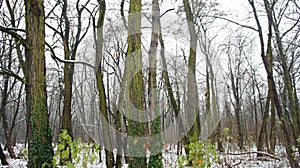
235	50
6	64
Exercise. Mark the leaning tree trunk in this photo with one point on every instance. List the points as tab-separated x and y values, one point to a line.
40	148
282	118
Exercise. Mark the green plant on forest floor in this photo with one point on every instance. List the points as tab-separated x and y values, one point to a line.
80	152
201	154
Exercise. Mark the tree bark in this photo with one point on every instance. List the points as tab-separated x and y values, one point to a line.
40	148
66	119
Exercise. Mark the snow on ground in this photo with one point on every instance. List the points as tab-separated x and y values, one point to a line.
232	157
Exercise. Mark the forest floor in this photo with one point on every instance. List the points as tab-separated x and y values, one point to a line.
232	157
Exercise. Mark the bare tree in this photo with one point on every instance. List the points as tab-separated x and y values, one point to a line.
284	124
70	42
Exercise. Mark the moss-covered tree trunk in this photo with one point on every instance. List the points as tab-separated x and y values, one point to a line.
136	104
100	86
40	147
156	157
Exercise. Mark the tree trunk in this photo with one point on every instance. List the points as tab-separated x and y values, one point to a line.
192	112
2	157
119	141
263	131
40	149
136	128
156	155
239	125
273	129
235	86
107	138
282	118
3	105
66	119
175	104
68	75
288	82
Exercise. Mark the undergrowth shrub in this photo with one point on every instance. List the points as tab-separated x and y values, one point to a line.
82	153
201	155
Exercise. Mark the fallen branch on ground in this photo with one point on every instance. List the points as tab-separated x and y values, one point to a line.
256	152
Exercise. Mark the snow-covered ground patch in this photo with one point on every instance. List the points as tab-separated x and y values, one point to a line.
231	157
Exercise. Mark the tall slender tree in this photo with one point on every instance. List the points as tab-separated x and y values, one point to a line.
4	95
100	85
192	110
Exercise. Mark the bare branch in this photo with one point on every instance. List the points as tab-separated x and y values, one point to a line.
122	14
166	12
256	152
67	61
11	31
4	71
234	22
